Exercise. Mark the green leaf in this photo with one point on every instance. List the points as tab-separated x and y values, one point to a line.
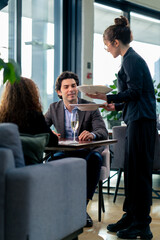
11	71
112	86
119	115
2	63
115	82
114	92
8	73
17	70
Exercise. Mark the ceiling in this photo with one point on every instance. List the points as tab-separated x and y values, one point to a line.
144	29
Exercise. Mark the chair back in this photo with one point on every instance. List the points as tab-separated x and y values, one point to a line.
119	133
156	161
105	169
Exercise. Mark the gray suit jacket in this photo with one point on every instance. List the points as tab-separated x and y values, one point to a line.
88	120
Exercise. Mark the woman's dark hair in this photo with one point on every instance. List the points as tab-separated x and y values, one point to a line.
18	100
63	76
120	31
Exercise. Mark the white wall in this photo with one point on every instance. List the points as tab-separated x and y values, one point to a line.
87	41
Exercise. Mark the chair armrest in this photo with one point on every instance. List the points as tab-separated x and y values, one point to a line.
6	164
46	201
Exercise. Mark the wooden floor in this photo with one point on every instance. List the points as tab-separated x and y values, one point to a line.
113	212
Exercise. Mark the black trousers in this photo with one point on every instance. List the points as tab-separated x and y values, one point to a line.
94	163
139	155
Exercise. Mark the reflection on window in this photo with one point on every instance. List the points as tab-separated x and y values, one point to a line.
104	65
3	39
151	54
38	46
146	35
26	47
50	58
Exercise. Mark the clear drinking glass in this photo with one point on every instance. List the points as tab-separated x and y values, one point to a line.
74	123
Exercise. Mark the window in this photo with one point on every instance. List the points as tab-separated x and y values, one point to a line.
3	39
38	46
104	65
146	41
146	36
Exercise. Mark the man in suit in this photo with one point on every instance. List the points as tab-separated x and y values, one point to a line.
91	127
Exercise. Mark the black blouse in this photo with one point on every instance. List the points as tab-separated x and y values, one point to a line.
36	124
136	97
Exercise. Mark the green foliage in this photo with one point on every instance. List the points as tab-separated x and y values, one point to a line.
11	71
113	115
157	90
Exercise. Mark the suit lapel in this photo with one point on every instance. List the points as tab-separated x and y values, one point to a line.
60	118
81	117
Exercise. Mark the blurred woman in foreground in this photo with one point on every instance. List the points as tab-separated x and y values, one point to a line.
20	104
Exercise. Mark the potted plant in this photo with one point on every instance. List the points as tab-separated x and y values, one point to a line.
113	118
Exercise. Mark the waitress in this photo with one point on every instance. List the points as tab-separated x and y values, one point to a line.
136	98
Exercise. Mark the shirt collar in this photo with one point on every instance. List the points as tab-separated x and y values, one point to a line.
75	108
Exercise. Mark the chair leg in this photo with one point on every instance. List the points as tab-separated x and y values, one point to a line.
109	185
103	208
100	200
117	184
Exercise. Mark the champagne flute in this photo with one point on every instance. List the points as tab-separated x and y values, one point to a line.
74	123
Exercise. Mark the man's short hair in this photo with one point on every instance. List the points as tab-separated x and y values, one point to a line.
63	76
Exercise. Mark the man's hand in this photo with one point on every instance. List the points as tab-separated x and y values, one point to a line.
85	136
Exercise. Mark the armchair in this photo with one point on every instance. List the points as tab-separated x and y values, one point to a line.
41	201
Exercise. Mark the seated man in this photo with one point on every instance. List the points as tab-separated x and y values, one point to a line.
91	127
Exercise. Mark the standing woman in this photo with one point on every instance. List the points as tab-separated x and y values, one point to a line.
136	99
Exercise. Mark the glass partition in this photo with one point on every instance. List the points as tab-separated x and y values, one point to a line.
38	46
146	41
104	65
3	40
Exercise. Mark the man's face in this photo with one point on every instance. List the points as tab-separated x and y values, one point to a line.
68	91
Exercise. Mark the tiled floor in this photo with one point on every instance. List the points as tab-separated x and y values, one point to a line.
113	211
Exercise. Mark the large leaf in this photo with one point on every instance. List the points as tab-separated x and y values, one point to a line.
2	63
115	83
113	86
11	71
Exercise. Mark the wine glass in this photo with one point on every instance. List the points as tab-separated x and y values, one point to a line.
74	123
